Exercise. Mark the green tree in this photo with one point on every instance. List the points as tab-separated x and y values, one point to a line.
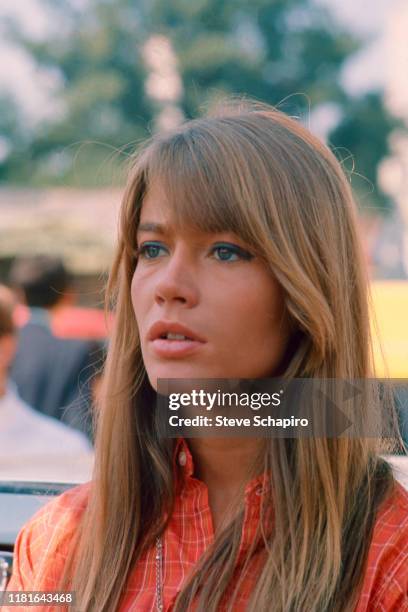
96	53
274	51
268	50
285	52
364	130
11	136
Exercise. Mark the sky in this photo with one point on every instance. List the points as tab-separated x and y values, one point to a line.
19	75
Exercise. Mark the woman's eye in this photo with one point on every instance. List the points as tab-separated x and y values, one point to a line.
149	250
231	253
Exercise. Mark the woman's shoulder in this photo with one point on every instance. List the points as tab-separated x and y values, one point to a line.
66	508
390	536
386	576
393	513
42	544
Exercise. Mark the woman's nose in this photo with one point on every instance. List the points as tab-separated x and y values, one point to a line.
177	282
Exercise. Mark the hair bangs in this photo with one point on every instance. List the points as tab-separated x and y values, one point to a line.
200	193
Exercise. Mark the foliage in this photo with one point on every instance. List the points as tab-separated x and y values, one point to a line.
365	128
285	52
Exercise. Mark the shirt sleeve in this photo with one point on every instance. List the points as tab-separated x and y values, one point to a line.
394	595
26	549
386	579
17	582
41	546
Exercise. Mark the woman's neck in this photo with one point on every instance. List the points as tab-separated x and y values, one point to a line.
225	465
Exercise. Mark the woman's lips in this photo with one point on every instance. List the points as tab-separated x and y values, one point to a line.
175	348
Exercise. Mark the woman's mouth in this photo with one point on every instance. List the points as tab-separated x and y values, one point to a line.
172	339
175	345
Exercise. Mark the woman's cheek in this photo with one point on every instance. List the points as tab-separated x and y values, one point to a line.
138	297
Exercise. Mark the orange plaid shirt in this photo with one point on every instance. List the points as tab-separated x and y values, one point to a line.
42	546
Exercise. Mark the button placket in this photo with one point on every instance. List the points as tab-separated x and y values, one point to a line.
182	458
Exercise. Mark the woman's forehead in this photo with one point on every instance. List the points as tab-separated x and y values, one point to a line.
155	204
157	215
163	213
186	207
167	228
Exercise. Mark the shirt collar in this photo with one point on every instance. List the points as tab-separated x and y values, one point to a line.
40	316
183	464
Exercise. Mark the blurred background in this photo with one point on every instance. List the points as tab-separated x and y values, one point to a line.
82	82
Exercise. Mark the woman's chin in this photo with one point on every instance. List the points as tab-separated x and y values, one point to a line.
179	371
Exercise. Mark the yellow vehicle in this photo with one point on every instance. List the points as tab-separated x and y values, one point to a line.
390	331
390	305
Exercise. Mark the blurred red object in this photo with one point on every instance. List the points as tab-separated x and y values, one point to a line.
72	322
75	322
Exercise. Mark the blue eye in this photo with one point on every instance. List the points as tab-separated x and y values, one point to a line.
149	250
229	252
224	252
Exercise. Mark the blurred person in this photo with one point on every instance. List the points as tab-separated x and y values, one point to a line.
42	281
53	375
33	446
67	319
238	257
71	321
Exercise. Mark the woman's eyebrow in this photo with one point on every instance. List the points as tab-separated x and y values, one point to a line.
150	226
165	229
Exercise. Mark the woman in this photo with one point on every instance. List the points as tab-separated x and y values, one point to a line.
237	231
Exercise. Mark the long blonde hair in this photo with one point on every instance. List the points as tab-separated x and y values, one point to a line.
250	169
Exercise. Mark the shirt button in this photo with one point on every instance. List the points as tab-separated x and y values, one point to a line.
259	490
182	458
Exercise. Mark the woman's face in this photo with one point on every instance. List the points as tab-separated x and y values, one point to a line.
209	288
